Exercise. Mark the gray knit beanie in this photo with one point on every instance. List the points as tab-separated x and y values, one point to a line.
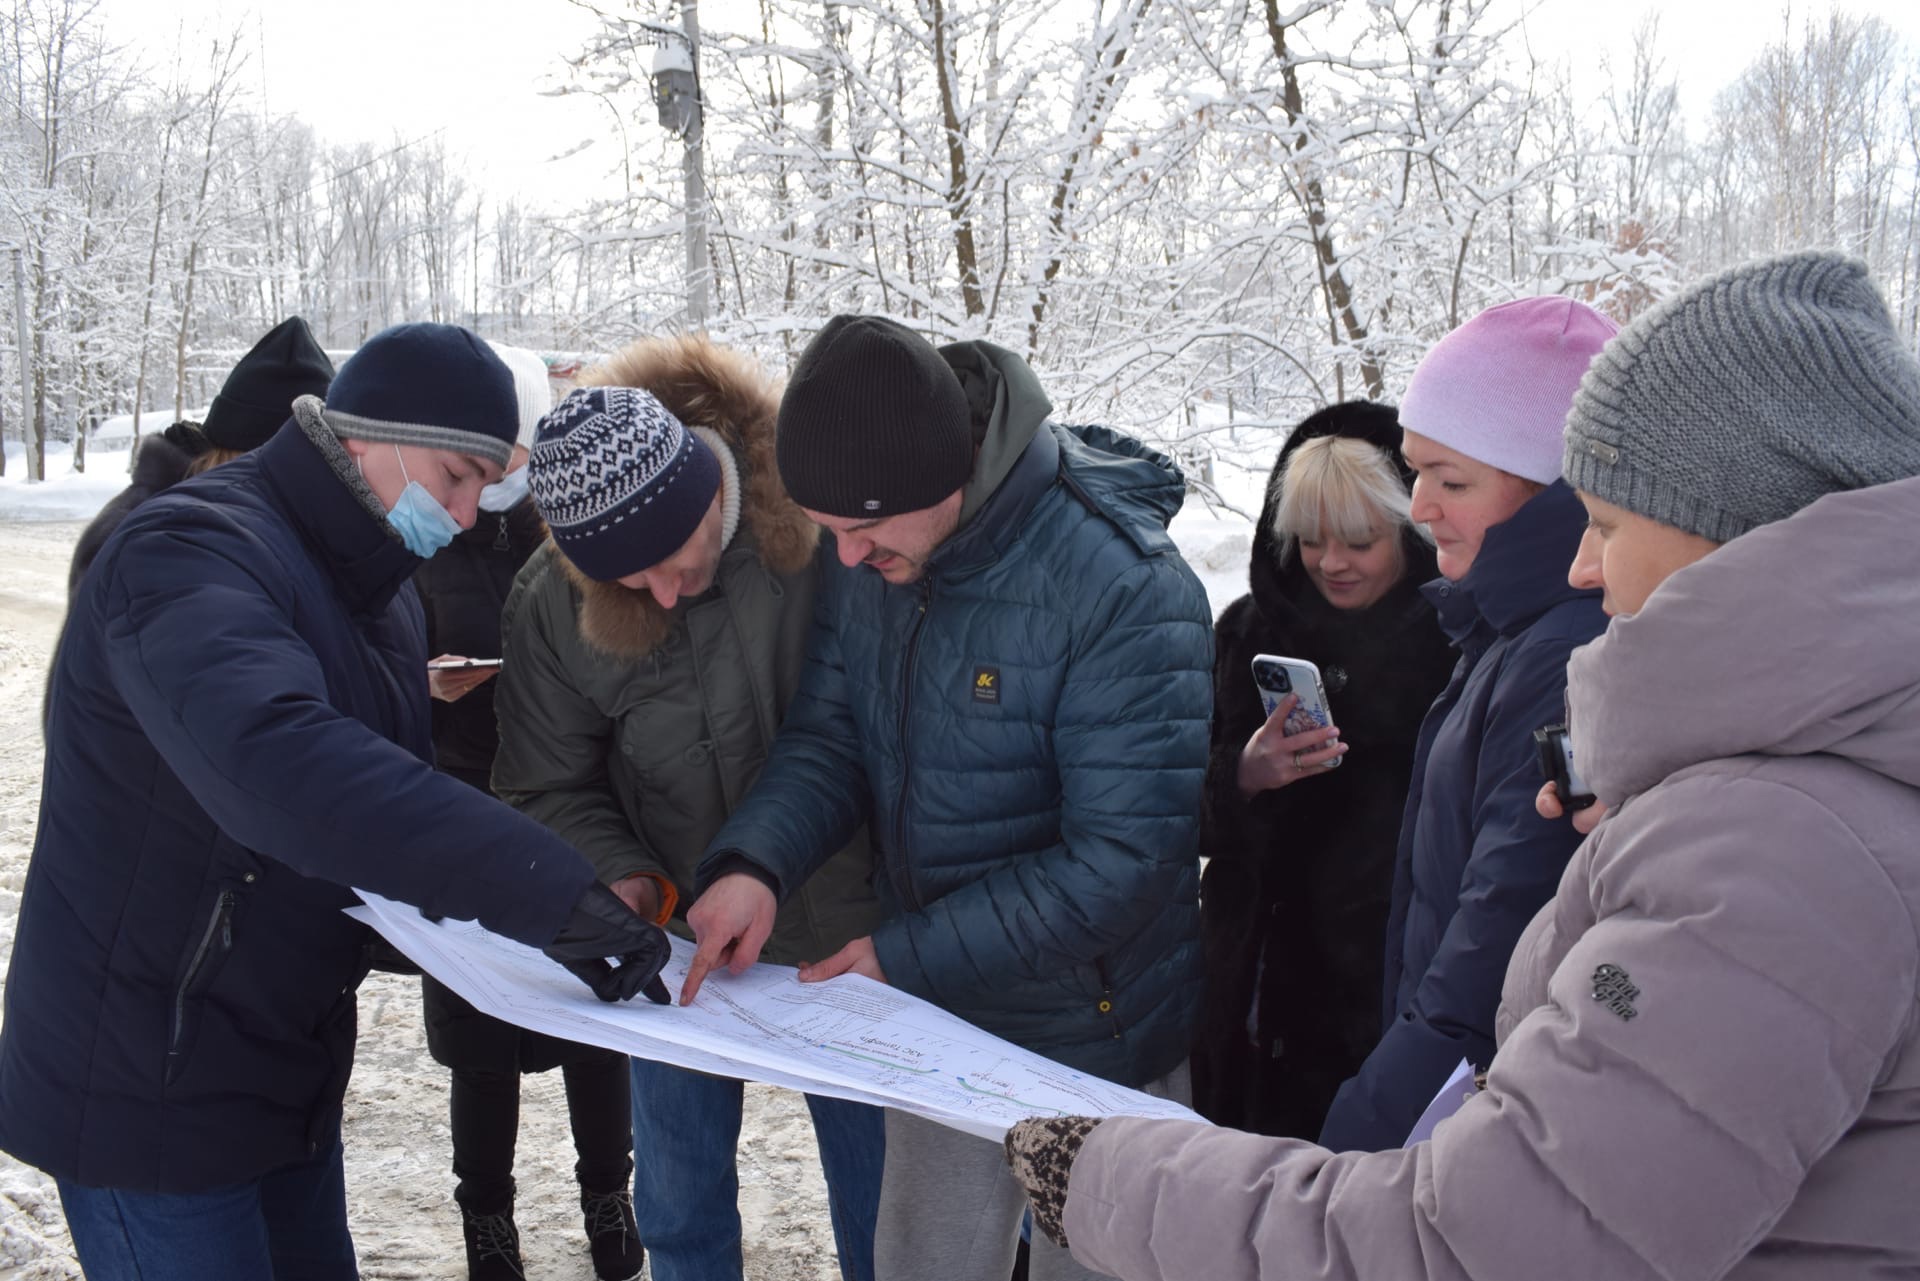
1748	396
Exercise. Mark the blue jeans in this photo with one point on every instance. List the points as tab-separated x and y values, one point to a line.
290	1225
686	1187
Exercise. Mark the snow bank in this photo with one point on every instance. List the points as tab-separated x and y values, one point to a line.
64	494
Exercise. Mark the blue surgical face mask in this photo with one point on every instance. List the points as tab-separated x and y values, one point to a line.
422	523
505	494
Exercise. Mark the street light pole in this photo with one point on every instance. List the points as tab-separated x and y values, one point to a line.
699	268
29	425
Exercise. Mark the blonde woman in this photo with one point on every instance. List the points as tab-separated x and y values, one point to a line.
1300	854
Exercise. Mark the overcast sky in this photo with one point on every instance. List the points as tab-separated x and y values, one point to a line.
377	70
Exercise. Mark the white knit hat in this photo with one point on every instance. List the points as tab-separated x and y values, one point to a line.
530	385
1498	388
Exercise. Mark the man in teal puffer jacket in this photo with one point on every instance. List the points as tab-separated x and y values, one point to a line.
1009	678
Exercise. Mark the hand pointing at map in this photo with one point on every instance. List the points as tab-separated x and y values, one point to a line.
730	924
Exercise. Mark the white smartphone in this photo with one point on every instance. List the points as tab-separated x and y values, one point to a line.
1276	677
459	664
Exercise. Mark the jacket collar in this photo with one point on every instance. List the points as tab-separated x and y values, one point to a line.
330	507
985	538
1521	570
1794	639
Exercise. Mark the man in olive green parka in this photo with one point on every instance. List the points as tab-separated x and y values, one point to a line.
651	648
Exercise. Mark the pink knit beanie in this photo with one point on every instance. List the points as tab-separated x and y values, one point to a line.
1498	388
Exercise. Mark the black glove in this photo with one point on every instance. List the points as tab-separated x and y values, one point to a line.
1040	1152
189	438
602	926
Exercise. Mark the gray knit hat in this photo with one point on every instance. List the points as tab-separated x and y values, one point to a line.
1748	396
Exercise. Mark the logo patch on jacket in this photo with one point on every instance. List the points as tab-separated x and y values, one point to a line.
1615	989
986	684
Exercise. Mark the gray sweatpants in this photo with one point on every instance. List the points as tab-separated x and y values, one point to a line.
950	1208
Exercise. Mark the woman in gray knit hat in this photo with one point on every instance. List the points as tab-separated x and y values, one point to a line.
1709	1052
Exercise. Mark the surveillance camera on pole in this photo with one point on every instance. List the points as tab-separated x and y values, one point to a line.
676	93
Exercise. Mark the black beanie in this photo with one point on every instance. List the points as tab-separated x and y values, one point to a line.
874	422
259	393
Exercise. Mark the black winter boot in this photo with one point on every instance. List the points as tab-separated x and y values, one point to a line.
612	1235
493	1246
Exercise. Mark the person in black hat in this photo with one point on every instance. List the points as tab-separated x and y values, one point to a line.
257	397
238	738
1009	681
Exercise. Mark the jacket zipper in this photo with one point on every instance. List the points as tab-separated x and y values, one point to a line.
220	926
908	895
1106	995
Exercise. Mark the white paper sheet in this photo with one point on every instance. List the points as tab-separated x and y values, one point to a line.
1451	1098
851	1038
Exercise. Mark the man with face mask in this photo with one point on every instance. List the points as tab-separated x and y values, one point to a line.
238	731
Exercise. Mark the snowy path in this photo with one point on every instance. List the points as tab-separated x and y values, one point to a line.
398	1185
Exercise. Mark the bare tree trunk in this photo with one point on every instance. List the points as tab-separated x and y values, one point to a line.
1333	279
959	184
1099	91
153	276
217	98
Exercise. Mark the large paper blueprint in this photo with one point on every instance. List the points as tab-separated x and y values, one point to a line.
850	1038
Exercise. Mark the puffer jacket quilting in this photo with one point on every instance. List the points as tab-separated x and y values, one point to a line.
1027	726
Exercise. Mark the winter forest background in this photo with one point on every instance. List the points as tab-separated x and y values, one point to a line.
1198	218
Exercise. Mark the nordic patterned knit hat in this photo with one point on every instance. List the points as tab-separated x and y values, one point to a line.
1497	388
433	386
1748	396
621	483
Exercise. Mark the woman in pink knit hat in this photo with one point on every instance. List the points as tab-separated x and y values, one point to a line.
1482	417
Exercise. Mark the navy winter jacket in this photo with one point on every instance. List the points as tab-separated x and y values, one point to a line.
1475	861
238	731
1026	726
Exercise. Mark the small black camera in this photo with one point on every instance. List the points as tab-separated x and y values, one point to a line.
1273	678
1556	762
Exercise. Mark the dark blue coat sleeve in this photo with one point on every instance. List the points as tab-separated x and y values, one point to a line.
1512	871
240	712
1130	745
813	795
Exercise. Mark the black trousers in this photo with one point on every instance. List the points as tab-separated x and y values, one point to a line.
487	1057
486	1125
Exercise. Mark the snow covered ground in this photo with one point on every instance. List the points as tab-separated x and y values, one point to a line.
399	1188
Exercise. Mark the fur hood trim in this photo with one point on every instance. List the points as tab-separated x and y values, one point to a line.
704	385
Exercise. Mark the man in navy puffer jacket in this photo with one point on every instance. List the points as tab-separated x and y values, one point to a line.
1009	679
238	731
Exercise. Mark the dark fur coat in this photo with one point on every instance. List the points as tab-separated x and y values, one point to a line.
161	462
1295	897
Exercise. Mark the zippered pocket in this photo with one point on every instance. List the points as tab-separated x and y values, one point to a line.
214	944
1105	1004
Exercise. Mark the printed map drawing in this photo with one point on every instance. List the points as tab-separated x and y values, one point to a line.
849	1038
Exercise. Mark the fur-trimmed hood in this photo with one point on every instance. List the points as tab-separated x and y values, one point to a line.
726	391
